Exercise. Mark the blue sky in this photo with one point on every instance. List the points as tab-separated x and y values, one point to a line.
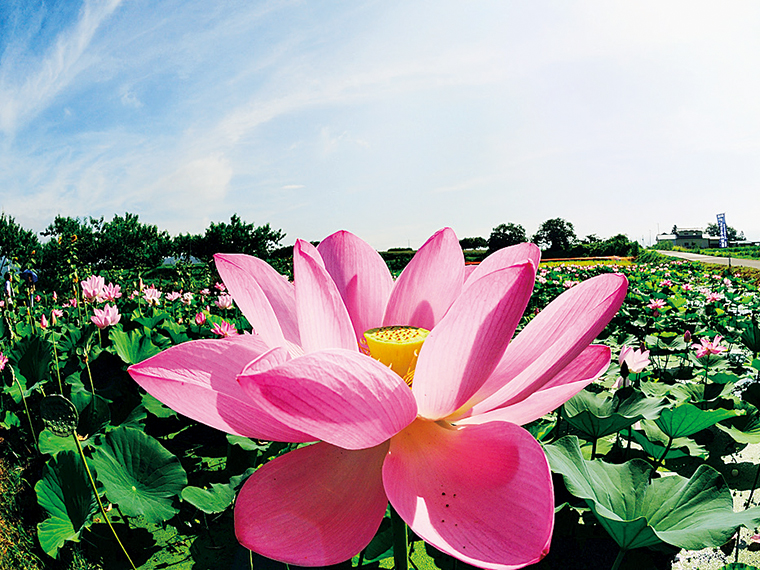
388	118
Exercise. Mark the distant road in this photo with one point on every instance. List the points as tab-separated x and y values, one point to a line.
710	259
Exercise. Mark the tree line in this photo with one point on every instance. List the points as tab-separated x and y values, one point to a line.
556	237
125	243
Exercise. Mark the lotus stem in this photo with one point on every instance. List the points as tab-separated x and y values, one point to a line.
100	503
618	559
26	408
661	460
593	449
400	542
57	367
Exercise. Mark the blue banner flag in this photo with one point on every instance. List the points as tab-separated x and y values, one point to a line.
723	230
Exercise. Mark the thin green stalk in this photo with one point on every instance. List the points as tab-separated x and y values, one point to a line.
26	407
400	542
57	367
618	559
661	460
89	372
100	503
593	449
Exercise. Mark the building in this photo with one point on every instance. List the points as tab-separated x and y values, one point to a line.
690	238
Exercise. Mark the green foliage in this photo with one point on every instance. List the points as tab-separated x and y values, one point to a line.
233	237
473	243
505	235
638	511
714	230
139	474
66	495
16	243
555	236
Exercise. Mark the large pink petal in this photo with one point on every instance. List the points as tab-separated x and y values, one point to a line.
464	348
482	493
198	379
505	257
523	409
362	277
341	397
323	320
429	284
555	337
266	298
314	506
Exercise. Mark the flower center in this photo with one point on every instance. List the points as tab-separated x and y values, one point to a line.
397	347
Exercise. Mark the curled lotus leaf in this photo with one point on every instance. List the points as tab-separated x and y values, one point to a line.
689	513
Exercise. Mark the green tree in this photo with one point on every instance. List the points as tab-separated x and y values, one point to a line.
16	242
473	243
732	234
505	235
127	243
234	237
555	235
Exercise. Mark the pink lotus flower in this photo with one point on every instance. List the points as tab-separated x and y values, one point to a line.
92	288
712	297
43	322
656	304
636	360
105	317
223	329
187	298
224	302
55	296
707	346
55	314
200	318
687	287
110	293
448	453
72	302
205	292
152	295
173	296
220	286
666	283
3	361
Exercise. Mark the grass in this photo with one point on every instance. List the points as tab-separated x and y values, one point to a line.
17	544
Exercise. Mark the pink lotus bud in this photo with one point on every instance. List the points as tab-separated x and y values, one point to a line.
43	322
200	318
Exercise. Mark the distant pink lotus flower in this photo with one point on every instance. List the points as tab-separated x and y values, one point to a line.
666	283
636	360
55	296
687	335
187	298
43	322
106	317
205	292
3	361
200	318
224	329
687	287
708	346
92	288
224	302
656	304
220	286
37	298
173	296
712	297
55	314
439	439
152	295
110	293
72	302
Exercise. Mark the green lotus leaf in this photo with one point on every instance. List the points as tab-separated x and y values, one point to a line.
216	499
598	415
687	419
94	413
139	474
744	428
156	408
751	336
132	347
65	493
698	392
738	566
653	441
32	356
690	513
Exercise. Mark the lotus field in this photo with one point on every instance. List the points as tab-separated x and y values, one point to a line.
502	415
